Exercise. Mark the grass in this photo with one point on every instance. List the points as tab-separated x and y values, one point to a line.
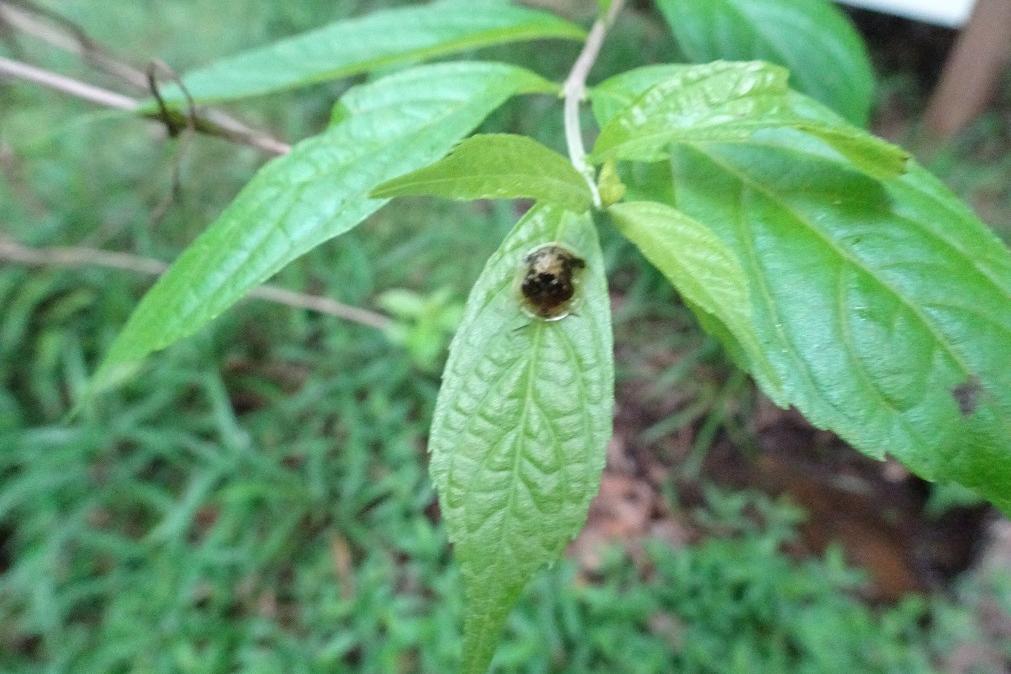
257	500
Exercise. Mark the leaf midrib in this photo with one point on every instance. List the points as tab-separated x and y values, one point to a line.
966	257
539	326
842	254
499	561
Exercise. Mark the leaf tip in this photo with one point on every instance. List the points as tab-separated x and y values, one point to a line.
111	374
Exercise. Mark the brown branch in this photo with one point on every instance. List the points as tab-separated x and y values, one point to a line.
211	125
67	85
64	34
185	134
90	257
216	123
30	19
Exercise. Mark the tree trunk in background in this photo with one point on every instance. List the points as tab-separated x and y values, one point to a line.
974	69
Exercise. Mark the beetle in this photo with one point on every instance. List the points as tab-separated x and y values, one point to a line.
549	280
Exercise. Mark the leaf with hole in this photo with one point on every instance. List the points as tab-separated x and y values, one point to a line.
496	166
885	307
521	424
315	193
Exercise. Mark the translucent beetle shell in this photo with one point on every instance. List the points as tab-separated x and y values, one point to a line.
549	281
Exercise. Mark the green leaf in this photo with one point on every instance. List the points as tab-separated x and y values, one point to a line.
521	425
313	194
694	101
619	92
870	154
885	307
826	56
496	166
378	40
704	270
724	102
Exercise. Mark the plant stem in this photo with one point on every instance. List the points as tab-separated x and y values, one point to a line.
64	34
211	123
67	85
85	257
574	91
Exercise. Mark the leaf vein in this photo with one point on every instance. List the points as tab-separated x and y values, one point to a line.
846	256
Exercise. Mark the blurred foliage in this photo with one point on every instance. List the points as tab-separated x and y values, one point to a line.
257	500
424	323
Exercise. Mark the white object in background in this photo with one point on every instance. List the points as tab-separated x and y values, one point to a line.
951	13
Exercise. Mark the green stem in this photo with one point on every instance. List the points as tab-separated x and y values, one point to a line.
574	92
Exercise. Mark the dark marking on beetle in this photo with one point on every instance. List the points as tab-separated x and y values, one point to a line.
550	280
967	395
